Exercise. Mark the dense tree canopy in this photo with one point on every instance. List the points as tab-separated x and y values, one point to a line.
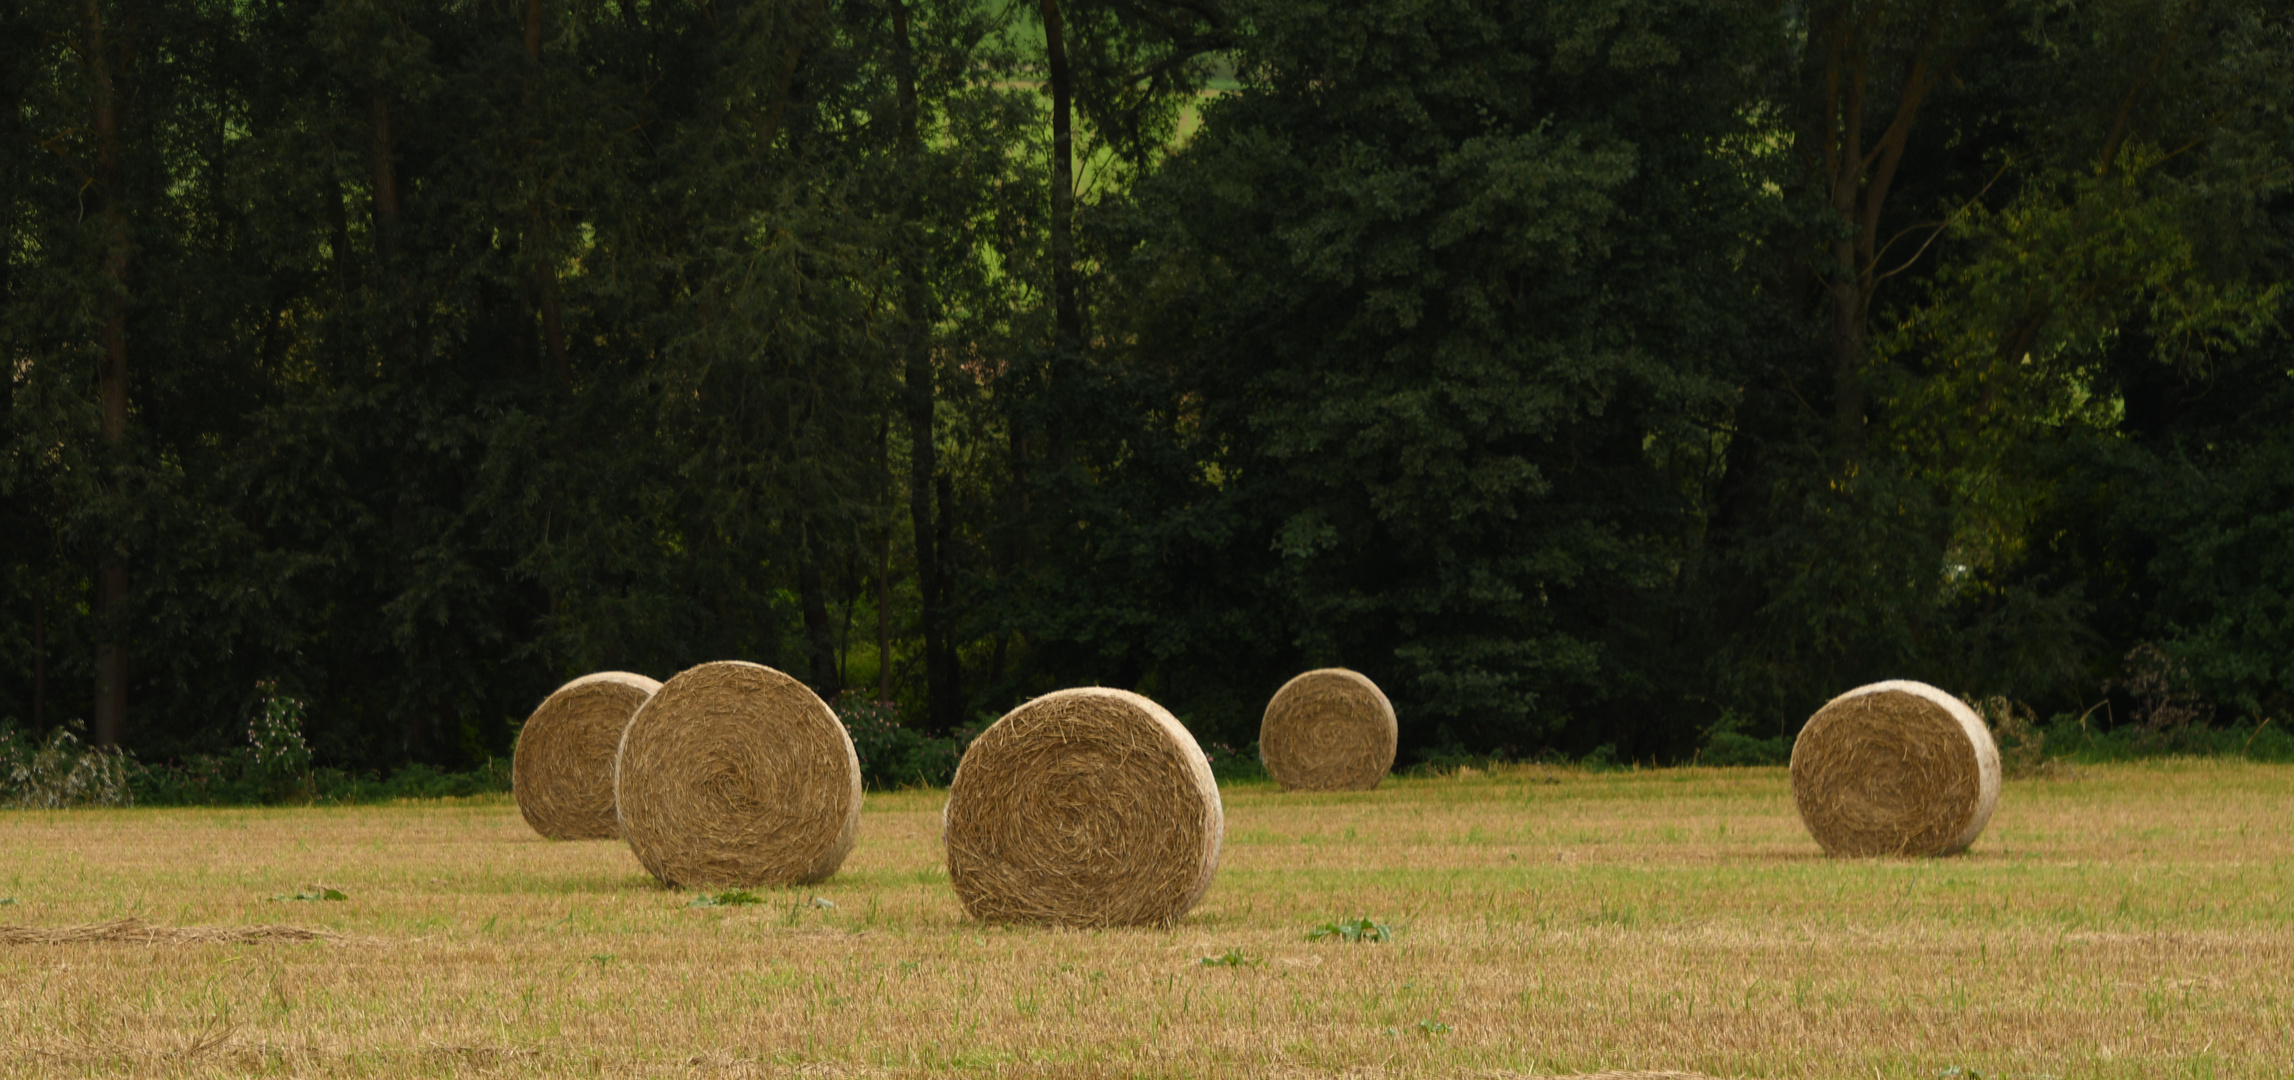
1590	374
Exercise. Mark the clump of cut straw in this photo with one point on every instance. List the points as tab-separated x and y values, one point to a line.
133	931
736	775
1328	730
1895	768
562	769
1085	807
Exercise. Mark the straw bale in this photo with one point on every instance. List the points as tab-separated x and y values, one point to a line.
562	769
1895	768
1328	730
735	774
1085	807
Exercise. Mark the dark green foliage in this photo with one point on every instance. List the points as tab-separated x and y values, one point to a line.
1388	404
233	779
1489	348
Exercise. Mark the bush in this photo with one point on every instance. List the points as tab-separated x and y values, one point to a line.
893	756
276	766
1726	744
60	771
1229	764
2068	739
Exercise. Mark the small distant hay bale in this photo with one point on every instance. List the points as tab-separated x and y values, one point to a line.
1328	730
1085	807
736	775
1895	768
562	769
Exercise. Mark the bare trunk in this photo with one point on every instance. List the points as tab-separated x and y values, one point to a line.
949	708
40	660
111	655
417	732
385	182
111	377
1066	307
820	639
884	576
1857	183
1848	366
884	616
943	699
537	247
346	274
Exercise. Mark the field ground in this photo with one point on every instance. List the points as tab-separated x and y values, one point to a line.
2132	920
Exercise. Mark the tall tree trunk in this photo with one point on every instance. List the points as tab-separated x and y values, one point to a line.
397	306
385	182
1067	309
1857	180
338	219
111	377
537	246
40	659
943	700
884	574
820	637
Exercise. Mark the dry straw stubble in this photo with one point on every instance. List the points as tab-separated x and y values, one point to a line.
562	769
1895	768
1328	730
1084	807
734	774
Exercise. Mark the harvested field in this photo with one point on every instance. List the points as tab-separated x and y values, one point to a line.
2128	921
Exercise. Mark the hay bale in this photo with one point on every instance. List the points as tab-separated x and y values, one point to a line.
1895	768
1086	807
737	775
1328	730
562	769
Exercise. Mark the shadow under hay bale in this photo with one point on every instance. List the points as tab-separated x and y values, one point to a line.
736	775
1085	807
562	769
1328	730
1895	768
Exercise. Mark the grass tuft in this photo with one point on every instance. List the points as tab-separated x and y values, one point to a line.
1363	930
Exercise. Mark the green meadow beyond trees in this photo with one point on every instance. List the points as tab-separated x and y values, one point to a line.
1609	379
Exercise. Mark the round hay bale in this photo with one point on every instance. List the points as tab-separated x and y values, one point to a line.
1085	807
562	769
1895	768
1328	730
737	775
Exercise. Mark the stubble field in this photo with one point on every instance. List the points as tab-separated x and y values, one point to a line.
2116	922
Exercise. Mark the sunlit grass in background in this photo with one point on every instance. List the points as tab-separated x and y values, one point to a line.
2124	920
